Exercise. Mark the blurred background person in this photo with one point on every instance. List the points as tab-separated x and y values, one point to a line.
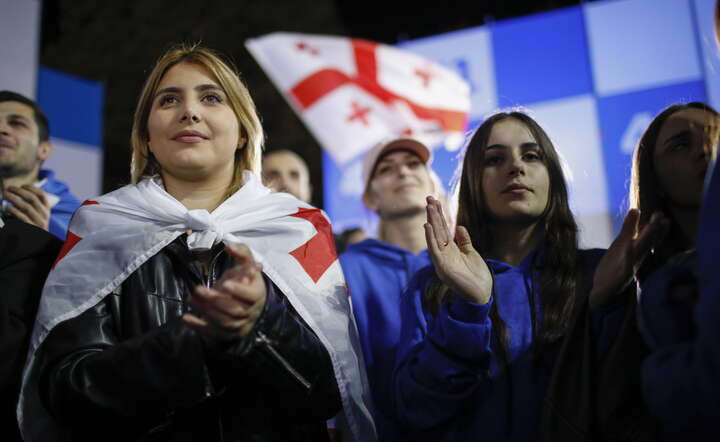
33	193
284	171
397	178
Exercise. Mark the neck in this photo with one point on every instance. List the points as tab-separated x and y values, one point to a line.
206	194
512	243
406	232
687	219
21	180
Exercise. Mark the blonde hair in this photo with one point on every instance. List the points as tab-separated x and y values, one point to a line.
144	164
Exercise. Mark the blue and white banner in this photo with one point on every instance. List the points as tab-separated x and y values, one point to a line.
593	76
74	107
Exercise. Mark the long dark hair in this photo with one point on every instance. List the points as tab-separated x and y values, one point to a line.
646	192
559	267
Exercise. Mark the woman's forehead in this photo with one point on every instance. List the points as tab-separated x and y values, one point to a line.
186	73
510	131
686	120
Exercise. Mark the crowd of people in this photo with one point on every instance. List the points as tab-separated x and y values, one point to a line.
205	301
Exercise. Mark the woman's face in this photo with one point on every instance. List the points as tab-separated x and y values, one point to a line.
193	131
681	156
515	180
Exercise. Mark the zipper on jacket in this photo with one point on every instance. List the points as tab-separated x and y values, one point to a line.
263	340
210	277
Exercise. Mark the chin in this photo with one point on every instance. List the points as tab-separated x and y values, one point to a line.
518	216
402	211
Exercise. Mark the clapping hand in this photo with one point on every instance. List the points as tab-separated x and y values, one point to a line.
625	255
231	307
456	262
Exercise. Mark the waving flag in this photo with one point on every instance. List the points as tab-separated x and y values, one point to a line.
353	93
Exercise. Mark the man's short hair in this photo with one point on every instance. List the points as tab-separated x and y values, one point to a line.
40	118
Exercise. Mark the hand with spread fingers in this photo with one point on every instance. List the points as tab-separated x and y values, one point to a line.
457	263
623	258
29	204
231	307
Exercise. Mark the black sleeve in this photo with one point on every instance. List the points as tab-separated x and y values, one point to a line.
26	254
288	360
90	376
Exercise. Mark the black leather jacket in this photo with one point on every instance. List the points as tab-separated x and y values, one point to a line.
128	369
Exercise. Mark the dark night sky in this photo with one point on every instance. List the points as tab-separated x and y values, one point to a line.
116	42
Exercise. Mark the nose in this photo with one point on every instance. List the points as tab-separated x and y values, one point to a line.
280	183
516	166
190	113
403	169
190	116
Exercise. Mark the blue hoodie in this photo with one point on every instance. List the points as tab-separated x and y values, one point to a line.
65	205
450	384
377	273
681	380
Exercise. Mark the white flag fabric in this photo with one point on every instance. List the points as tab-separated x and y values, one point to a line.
111	237
354	93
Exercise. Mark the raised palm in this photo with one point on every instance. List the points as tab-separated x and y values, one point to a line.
623	258
457	263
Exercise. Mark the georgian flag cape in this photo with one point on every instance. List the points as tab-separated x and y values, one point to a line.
111	237
353	93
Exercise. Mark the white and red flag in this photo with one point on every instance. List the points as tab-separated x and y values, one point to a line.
111	237
354	93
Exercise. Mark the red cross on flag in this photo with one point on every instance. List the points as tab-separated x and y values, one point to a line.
353	93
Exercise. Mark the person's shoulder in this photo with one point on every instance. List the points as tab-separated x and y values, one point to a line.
361	248
20	240
58	188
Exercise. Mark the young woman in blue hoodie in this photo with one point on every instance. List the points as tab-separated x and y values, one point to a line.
484	325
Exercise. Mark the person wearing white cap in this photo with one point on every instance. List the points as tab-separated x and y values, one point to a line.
397	180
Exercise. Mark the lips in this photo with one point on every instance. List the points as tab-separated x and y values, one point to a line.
516	188
189	136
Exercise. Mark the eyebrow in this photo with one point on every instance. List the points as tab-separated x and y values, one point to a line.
199	88
677	136
524	146
18	117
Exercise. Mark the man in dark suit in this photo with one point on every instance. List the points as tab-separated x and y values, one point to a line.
26	255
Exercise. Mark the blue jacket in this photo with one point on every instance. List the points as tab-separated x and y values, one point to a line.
62	211
377	273
449	382
681	380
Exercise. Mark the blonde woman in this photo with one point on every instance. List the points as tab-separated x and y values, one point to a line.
194	304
